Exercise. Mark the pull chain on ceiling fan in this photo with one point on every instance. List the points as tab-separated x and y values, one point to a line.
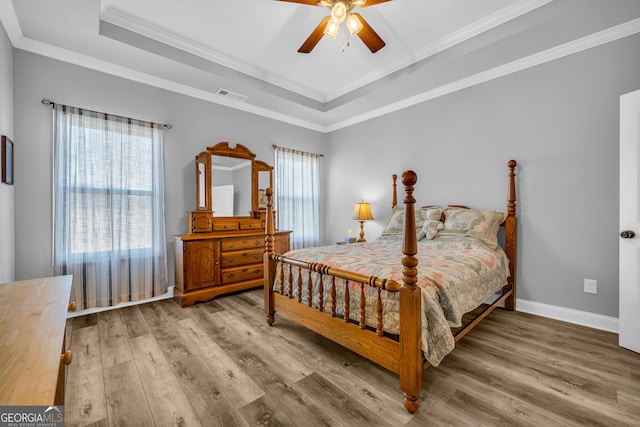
342	12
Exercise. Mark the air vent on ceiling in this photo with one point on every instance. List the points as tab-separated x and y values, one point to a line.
231	95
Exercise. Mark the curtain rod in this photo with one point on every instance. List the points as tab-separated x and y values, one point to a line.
297	151
47	102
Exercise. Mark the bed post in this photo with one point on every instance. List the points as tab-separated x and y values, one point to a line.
269	264
511	236
410	305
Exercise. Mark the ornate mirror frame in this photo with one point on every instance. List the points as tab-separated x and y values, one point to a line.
260	190
203	218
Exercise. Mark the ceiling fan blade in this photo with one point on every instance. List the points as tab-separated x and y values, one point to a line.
315	37
373	2
369	36
309	2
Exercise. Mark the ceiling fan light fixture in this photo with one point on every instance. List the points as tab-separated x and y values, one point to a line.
342	12
339	12
332	29
354	24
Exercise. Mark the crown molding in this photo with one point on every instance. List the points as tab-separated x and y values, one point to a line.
10	21
121	19
502	16
605	36
12	27
65	55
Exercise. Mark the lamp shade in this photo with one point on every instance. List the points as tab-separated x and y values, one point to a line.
354	25
362	212
332	28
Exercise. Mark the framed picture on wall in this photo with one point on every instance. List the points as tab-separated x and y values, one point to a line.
7	160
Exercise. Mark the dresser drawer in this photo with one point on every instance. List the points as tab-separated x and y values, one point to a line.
235	244
235	258
253	224
225	225
238	274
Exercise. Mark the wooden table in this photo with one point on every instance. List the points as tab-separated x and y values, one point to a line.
33	316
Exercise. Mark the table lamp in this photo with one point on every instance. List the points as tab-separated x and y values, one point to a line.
362	213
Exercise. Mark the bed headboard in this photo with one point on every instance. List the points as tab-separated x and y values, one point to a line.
510	226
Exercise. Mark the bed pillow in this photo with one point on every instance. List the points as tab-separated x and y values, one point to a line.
483	225
395	222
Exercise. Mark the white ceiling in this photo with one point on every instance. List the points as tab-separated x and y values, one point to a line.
250	47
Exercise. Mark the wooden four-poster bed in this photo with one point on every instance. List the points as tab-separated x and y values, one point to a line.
397	316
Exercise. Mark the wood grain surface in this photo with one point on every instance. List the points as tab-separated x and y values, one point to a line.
32	328
220	364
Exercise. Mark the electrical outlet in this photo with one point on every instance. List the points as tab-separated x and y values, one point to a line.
591	286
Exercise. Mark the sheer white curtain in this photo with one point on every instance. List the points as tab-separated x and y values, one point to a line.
108	206
298	195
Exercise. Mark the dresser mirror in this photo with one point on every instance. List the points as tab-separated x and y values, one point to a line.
264	180
231	186
203	181
231	183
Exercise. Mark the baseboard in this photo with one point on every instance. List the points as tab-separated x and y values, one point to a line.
584	318
167	295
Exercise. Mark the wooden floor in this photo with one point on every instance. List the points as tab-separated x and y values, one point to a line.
219	363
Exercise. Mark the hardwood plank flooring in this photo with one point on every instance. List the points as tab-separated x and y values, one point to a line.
220	364
84	393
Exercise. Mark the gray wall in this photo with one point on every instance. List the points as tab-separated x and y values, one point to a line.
196	125
560	120
7	235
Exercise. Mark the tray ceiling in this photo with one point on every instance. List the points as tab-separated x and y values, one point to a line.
249	48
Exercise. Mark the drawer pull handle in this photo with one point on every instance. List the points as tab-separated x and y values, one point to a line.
258	270
257	243
231	244
244	254
257	256
225	226
244	270
231	275
66	358
231	259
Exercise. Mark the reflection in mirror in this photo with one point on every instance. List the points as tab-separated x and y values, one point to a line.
264	182
231	186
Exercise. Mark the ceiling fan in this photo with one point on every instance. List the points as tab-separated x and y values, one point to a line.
342	11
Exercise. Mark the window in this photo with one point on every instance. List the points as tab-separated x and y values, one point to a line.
297	195
109	206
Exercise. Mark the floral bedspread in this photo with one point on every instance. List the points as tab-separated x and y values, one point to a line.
456	275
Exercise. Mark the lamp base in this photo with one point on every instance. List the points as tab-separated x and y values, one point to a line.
361	239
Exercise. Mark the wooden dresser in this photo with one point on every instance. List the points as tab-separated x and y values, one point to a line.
216	263
224	247
33	352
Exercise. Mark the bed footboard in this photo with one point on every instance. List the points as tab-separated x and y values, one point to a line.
403	356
